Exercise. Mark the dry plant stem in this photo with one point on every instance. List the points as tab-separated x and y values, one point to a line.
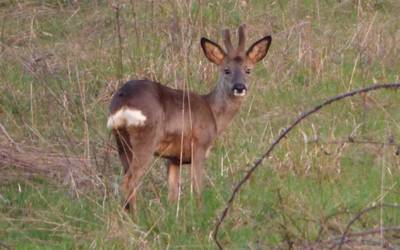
2	245
2	42
282	135
134	16
82	94
181	153
118	30
3	129
357	217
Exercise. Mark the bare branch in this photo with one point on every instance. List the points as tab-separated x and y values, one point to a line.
282	135
357	217
351	237
351	140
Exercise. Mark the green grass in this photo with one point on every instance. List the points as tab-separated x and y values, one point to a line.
38	215
305	192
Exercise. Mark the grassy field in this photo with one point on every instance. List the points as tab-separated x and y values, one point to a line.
60	62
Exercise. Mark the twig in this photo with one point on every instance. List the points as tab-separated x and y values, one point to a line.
336	240
357	217
352	140
3	129
326	219
374	231
4	246
282	135
82	94
2	41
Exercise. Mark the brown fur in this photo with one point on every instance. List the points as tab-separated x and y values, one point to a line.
180	136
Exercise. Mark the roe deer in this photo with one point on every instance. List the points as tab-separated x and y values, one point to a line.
148	118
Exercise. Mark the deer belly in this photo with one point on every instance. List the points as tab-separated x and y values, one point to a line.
174	151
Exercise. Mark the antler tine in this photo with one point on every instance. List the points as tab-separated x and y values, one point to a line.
227	41
242	39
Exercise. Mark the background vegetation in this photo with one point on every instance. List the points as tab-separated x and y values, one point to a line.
60	62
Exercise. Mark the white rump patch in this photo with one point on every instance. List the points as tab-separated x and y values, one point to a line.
126	117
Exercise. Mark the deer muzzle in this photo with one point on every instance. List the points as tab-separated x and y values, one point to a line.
239	89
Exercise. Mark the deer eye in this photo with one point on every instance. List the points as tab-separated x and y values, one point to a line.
227	71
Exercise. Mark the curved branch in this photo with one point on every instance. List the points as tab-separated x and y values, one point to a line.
282	135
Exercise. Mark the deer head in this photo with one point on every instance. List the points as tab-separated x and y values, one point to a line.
235	64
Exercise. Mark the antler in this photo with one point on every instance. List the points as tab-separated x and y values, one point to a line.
228	43
242	39
241	45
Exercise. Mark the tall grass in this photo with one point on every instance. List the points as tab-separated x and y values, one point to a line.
60	62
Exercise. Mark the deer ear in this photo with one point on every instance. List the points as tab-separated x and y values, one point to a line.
212	51
259	49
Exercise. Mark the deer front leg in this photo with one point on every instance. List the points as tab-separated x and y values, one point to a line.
173	182
197	172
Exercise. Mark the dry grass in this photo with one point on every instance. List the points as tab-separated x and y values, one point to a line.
27	162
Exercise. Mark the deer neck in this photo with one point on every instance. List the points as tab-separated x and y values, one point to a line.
223	106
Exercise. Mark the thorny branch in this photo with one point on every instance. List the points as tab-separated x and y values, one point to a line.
351	140
357	217
351	237
282	135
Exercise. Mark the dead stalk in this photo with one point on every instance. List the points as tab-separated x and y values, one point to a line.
3	129
82	94
2	41
120	72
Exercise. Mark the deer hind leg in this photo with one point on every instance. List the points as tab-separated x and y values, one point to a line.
143	146
124	147
125	154
173	182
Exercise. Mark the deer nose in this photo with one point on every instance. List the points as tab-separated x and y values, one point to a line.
239	87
